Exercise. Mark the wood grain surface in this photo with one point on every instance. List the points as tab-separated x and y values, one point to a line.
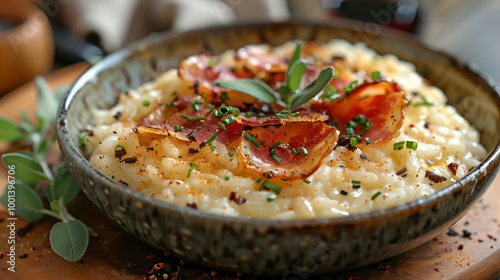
115	255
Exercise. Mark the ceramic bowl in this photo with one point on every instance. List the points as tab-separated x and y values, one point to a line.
260	246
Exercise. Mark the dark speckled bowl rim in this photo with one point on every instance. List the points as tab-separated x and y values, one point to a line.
114	59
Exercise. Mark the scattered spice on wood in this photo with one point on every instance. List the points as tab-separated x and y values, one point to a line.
2	220
451	232
460	247
453	168
39	255
436	269
237	199
23	256
434	177
466	233
129	160
47	244
1	255
22	231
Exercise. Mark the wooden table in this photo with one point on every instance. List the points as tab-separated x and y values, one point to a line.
115	255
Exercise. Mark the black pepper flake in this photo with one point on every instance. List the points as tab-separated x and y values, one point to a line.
342	192
123	182
192	205
193	138
150	148
363	156
193	151
451	232
427	124
119	153
135	130
404	175
434	177
23	256
2	220
466	233
117	115
460	247
22	231
415	93
129	160
238	200
202	144
197	87
480	240
401	171
351	147
356	186
453	167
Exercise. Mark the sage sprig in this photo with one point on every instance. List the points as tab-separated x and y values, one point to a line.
69	238
289	94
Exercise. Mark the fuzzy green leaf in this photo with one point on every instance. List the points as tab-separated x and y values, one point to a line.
296	54
9	131
69	239
28	169
47	104
294	74
27	203
313	88
64	185
254	88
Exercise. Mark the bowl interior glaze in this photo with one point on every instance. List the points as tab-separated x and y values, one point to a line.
262	246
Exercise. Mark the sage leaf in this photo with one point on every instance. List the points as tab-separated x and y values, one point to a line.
64	185
69	239
28	169
27	203
313	88
254	88
47	104
296	54
9	130
295	73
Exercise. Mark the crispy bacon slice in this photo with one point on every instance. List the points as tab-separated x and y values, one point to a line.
317	138
259	58
382	102
273	119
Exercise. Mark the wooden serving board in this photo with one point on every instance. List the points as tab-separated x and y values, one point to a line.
115	255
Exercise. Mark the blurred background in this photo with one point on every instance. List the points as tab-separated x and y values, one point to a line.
40	36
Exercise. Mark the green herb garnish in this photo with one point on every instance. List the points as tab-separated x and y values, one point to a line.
423	103
178	128
376	75
145	103
376	195
252	140
271	197
29	173
193	118
270	186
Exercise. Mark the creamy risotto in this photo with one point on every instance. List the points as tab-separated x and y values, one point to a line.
377	136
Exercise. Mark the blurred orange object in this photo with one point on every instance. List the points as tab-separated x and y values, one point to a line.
26	43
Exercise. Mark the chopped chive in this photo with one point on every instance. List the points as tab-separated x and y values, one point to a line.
268	174
81	139
295	151
113	177
198	128
262	142
229	119
376	195
296	114
210	111
349	131
295	171
223	96
359	117
411	145
145	103
275	145
212	138
174	93
119	147
398	145
353	141
303	150
367	140
178	128
423	103
192	165
231	153
212	63
195	104
190	133
271	197
351	124
330	94
189	173
355	182
283	179
227	178
193	118
306	181
271	186
259	180
376	75
350	87
277	159
252	140
222	126
248	114
212	148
